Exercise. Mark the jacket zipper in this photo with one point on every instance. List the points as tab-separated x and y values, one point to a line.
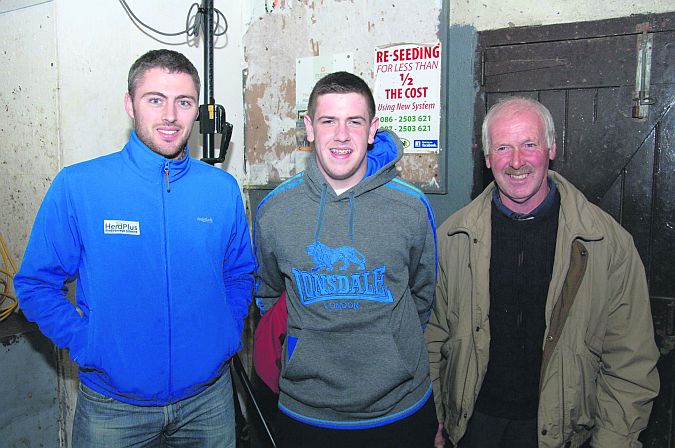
462	409
567	262
558	295
166	272
166	176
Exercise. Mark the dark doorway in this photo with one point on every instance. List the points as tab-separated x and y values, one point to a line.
619	151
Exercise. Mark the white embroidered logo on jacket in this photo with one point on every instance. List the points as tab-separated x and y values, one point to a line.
118	227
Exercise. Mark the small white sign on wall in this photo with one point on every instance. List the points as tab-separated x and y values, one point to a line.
307	72
408	94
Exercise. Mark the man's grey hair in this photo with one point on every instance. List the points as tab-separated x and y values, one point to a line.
516	104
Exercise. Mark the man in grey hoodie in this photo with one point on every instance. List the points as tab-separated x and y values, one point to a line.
354	247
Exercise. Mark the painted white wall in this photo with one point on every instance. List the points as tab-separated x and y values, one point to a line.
29	156
495	14
98	42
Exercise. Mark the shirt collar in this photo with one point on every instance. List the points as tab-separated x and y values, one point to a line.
541	208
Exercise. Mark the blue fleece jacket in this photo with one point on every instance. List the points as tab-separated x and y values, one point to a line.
162	256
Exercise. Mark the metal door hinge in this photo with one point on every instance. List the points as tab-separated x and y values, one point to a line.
482	68
641	96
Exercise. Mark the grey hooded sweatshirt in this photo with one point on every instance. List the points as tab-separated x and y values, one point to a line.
359	270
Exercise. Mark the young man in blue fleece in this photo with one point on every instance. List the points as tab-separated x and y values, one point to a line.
354	248
164	275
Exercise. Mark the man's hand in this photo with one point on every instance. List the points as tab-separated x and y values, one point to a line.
439	441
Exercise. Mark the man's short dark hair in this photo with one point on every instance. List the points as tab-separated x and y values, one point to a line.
169	60
341	82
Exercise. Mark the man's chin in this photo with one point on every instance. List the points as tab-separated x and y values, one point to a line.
171	152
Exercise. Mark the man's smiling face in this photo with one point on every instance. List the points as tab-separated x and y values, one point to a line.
519	157
164	107
341	130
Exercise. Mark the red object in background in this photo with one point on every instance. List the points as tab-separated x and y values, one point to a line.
268	341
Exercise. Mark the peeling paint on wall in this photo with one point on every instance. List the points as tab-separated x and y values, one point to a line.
308	28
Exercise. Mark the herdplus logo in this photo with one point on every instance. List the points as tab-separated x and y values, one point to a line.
323	284
118	227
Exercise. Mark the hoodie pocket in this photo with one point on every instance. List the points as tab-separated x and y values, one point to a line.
346	372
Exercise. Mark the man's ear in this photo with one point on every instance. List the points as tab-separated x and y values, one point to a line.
309	128
551	150
374	125
487	161
129	105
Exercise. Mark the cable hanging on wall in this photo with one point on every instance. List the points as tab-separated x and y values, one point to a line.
8	302
193	23
212	117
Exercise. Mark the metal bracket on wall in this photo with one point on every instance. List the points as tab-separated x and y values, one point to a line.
641	97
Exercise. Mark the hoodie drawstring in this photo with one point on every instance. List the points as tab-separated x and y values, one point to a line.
320	216
350	224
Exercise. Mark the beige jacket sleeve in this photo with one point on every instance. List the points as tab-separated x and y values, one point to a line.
436	335
628	380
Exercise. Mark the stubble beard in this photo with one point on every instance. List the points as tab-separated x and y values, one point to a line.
174	155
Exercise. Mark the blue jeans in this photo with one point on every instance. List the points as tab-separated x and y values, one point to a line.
204	420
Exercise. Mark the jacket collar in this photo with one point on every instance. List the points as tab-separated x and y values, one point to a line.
538	211
577	214
150	165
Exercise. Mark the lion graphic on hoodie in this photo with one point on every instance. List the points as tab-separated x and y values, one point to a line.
325	258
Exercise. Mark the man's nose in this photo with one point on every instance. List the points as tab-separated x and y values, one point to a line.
341	132
516	161
169	114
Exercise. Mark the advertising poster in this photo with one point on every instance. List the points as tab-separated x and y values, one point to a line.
408	94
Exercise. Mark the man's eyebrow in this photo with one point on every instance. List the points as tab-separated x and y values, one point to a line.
154	94
179	97
332	117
